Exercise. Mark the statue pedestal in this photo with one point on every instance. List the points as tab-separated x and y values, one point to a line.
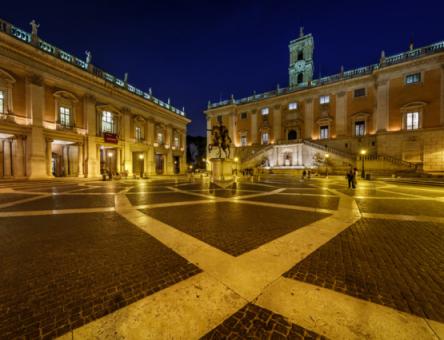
222	171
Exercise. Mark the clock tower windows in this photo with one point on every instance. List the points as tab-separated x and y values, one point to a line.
301	60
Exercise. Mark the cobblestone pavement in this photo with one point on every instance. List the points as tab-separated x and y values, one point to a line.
393	263
176	258
254	322
234	228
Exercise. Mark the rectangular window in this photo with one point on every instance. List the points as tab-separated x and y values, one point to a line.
2	102
292	106
219	119
265	111
160	138
243	115
176	141
324	99
413	78
107	122
412	120
64	116
323	132
359	92
360	128
138	134
265	138
243	140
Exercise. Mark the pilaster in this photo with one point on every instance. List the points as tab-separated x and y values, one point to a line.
308	118
277	122
80	160
7	158
442	96
19	156
253	126
341	114
382	105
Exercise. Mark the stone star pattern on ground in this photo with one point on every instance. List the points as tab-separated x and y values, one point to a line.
180	258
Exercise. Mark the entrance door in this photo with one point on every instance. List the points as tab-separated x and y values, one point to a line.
292	135
138	163
159	164
176	164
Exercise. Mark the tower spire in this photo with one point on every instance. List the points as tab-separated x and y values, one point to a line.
301	31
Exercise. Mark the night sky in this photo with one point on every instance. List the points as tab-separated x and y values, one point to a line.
195	51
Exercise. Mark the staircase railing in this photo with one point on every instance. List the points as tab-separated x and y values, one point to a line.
329	149
388	158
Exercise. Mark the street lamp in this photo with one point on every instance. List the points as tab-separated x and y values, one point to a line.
326	163
363	152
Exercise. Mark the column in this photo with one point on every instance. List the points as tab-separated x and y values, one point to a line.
382	105
208	167
150	163
7	164
80	159
93	158
253	127
300	160
19	156
442	96
49	157
232	131
37	159
308	119
277	123
183	158
341	114
169	153
65	153
118	160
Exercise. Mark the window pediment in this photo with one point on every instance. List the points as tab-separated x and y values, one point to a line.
65	95
413	106
6	77
110	108
358	115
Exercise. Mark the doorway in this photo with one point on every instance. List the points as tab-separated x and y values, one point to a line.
138	163
292	135
159	164
176	161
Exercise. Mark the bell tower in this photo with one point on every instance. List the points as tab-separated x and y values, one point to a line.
301	60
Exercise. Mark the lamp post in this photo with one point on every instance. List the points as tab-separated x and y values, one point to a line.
363	152
326	164
236	160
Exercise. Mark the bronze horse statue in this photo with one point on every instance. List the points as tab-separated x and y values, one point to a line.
221	140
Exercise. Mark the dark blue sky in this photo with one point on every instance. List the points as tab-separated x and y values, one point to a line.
193	51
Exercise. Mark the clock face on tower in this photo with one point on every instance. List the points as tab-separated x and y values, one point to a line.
300	65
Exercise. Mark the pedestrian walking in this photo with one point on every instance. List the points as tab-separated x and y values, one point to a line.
349	177
304	173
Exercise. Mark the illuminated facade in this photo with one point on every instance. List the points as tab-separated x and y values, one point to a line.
62	116
394	110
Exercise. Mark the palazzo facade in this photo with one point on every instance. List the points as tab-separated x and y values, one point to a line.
63	116
391	111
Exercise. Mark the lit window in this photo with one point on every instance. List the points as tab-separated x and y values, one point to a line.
413	78
323	132
107	122
265	138
324	99
139	136
293	106
243	115
265	111
412	120
359	92
176	141
360	128
160	138
243	140
2	102
65	116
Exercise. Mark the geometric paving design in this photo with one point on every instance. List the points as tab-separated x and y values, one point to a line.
398	264
254	322
234	228
61	272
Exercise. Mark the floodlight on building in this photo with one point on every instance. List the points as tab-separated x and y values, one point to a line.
140	156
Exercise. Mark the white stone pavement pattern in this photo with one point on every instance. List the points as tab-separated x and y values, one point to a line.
193	307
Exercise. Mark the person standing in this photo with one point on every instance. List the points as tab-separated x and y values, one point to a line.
349	176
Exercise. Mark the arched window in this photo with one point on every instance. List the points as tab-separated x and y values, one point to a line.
292	135
6	84
300	78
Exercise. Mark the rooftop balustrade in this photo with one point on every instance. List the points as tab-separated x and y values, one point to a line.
358	72
26	37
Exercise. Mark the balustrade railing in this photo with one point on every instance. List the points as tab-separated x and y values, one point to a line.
20	34
358	72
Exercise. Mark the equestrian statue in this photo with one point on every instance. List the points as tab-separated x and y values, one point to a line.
220	139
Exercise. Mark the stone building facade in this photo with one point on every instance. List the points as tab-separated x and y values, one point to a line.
63	116
392	110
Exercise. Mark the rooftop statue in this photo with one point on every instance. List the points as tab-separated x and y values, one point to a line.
88	57
35	27
220	139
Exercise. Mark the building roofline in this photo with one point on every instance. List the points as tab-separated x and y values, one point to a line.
345	75
23	36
